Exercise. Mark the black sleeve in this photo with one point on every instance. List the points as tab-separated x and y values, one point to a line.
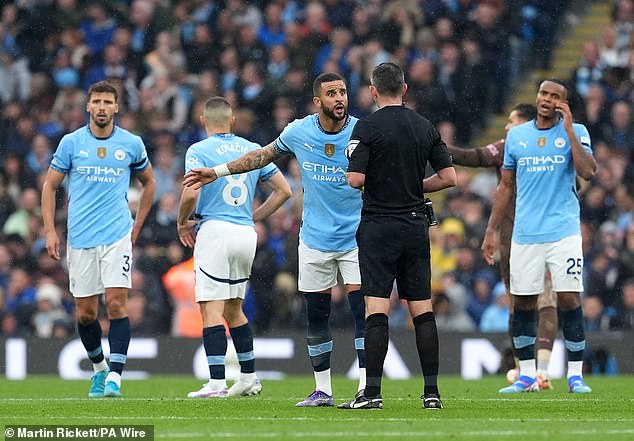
358	150
439	156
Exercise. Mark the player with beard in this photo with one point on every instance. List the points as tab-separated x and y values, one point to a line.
331	213
99	160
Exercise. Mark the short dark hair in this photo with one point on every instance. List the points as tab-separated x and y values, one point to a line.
526	111
325	78
103	87
388	78
559	82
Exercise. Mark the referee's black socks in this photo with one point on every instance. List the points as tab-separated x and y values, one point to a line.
427	346
376	337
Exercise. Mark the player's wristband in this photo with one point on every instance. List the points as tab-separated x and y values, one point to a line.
222	170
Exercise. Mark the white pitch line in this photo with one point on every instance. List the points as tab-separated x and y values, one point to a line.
325	418
473	400
425	433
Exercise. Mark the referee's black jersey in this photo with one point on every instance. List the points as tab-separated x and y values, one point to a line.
392	147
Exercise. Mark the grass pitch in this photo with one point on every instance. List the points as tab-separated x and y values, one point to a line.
473	410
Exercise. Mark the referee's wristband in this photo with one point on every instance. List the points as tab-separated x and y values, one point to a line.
222	170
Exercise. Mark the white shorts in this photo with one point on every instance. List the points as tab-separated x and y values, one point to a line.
223	256
564	260
91	270
318	269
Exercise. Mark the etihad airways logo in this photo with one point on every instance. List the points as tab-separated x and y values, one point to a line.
100	174
323	172
535	164
542	160
322	168
96	170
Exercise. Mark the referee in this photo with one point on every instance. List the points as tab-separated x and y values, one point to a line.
388	152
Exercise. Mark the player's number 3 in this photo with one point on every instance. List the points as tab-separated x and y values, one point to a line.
235	192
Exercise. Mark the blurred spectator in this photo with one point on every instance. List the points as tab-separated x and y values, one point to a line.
594	114
98	29
449	318
40	155
610	53
619	131
594	317
626	316
179	282
495	317
271	33
589	70
49	310
15	75
20	291
262	282
18	221
483	283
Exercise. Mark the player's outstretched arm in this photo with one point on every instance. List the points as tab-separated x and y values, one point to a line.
186	208
280	192
51	184
146	177
503	196
443	178
255	159
487	156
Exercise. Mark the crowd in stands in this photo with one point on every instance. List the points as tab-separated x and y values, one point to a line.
461	58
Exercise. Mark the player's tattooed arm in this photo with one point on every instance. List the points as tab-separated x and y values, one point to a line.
254	160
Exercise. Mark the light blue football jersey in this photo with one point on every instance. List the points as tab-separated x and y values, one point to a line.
547	207
98	180
229	198
332	209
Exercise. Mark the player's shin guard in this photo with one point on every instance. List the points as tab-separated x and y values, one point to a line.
574	339
376	338
242	337
90	336
119	340
215	342
318	330
357	307
427	345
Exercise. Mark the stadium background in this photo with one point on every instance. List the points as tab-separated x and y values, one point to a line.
464	60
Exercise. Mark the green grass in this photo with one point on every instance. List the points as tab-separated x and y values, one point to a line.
473	410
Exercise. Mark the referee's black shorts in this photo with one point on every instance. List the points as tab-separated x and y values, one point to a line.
395	248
